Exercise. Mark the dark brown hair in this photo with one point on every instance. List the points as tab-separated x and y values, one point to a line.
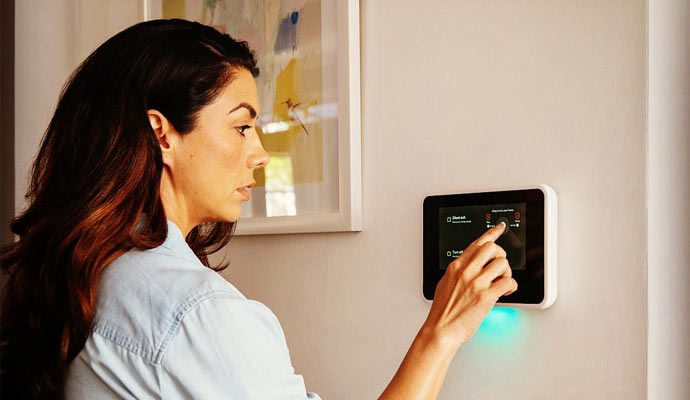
97	172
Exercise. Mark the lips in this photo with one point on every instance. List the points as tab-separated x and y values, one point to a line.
244	190
244	193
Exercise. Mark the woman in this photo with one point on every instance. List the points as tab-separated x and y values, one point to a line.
140	176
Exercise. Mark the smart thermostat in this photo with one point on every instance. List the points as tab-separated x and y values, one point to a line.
450	222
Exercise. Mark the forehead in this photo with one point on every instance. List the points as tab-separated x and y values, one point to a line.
242	89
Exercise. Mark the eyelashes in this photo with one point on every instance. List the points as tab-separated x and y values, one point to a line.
242	128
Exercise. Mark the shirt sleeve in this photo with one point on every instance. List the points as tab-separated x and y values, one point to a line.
230	347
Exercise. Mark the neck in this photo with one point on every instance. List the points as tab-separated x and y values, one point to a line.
175	205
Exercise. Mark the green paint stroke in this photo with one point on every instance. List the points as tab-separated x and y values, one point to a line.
209	5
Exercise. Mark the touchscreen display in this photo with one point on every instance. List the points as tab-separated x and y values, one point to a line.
460	226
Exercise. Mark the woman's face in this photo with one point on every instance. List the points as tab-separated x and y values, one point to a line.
207	167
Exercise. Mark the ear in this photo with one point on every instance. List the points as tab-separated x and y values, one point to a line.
165	133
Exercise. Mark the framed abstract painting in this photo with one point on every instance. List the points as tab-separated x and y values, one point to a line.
307	52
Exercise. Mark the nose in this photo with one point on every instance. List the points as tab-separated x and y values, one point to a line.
259	158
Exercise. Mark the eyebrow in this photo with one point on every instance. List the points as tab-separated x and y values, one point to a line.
251	109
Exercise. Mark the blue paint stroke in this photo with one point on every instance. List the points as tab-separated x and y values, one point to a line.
287	34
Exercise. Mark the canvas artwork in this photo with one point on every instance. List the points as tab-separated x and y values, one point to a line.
296	47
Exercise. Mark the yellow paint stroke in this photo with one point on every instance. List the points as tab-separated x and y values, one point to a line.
306	150
174	9
285	89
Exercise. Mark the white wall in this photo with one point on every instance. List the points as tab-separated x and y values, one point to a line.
468	95
472	95
669	191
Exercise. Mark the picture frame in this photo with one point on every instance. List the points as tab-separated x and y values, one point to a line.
333	204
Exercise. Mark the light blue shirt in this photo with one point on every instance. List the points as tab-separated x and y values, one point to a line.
166	326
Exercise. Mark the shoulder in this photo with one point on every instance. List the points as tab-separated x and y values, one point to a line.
144	295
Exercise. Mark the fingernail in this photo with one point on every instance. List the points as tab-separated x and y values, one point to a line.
504	224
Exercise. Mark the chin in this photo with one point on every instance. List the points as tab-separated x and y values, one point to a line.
230	213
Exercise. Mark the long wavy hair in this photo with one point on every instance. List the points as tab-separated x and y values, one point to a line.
96	174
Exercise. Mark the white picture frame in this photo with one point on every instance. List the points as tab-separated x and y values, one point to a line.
348	216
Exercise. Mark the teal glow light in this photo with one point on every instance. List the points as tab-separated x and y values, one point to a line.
500	324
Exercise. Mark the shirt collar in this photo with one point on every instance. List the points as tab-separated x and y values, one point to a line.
177	243
175	238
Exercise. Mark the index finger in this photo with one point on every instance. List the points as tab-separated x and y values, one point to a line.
491	234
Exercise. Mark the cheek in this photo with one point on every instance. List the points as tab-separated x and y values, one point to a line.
209	169
218	167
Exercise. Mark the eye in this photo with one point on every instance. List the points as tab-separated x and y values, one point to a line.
242	128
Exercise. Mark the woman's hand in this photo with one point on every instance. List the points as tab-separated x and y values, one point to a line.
470	287
472	284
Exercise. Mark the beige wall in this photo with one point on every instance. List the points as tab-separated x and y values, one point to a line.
461	96
52	39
